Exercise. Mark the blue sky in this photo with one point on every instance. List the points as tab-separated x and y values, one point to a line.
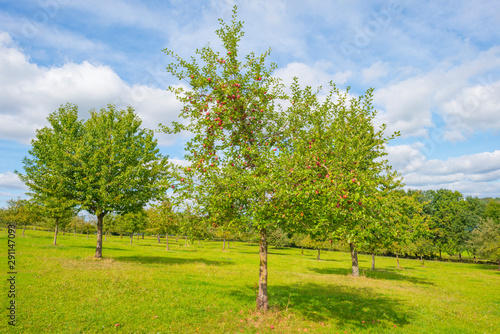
435	67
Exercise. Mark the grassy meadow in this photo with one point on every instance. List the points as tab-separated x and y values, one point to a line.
142	288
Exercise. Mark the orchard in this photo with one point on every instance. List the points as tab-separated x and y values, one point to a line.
263	158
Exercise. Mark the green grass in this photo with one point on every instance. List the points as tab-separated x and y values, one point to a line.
200	289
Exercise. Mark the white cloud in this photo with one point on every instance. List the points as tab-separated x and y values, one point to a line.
475	174
408	105
374	72
179	162
10	180
317	75
29	93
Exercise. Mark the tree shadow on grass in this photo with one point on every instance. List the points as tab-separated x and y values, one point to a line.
346	306
104	248
387	274
168	260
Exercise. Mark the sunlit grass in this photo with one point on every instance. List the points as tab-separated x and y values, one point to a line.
142	288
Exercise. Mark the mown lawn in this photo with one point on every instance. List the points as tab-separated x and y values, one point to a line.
142	288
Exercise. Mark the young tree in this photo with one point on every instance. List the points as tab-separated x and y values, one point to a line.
106	164
229	109
486	240
335	181
132	222
163	220
23	212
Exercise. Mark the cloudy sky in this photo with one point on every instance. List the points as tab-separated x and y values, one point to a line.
435	67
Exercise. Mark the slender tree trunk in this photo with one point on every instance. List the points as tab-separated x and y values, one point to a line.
74	233
64	232
228	244
131	237
373	261
186	243
176	238
24	229
262	302
199	242
319	254
143	235
354	259
98	249
55	233
224	245
421	260
121	235
475	260
158	237
397	260
166	238
440	258
87	234
460	257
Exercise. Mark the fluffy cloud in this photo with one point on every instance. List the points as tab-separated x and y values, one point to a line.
30	92
475	174
317	75
10	180
465	96
374	72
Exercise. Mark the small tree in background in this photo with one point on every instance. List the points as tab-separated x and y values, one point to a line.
486	240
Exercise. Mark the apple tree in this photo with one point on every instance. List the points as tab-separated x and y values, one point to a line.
229	109
335	182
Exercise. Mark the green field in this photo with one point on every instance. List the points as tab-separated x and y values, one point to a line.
142	288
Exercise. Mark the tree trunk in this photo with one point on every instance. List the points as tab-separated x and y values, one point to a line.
158	237
301	250
421	261
64	232
319	254
74	233
373	261
262	302
224	245
397	260
131	237
98	249
55	233
142	235
186	243
121	235
176	238
166	238
440	258
475	260
228	245
460	257
87	234
24	229
354	259
199	242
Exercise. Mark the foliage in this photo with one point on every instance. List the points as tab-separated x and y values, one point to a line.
104	164
486	239
279	238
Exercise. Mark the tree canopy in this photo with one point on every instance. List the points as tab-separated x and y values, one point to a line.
104	164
